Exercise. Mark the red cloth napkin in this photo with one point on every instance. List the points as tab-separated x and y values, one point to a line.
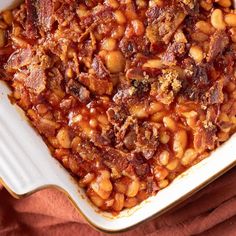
212	211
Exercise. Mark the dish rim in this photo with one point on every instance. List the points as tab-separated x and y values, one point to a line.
104	230
110	231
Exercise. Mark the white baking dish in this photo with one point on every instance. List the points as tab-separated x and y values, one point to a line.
26	166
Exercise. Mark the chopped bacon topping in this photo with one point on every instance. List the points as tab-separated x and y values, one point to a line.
36	81
19	58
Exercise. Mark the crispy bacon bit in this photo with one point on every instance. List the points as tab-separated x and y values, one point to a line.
147	140
32	19
173	52
219	41
36	80
122	130
197	83
100	13
19	59
56	80
79	91
163	23
215	94
151	185
204	138
99	68
45	14
130	46
86	50
87	151
39	14
96	85
115	158
142	170
46	127
116	115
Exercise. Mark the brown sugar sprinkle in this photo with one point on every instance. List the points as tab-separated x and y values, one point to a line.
128	94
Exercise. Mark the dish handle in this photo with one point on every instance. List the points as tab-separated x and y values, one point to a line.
18	173
16	180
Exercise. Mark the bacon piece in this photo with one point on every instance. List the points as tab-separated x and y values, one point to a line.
197	83
173	51
99	68
39	14
36	80
46	127
87	151
215	94
117	115
77	90
99	14
87	49
106	138
45	14
147	139
141	168
115	158
63	14
163	23
219	41
130	46
205	138
32	19
19	59
96	85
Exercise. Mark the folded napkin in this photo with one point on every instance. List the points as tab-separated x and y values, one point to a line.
212	211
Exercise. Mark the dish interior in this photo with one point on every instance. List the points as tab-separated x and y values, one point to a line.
126	95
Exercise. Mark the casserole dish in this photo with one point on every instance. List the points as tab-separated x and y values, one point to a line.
27	167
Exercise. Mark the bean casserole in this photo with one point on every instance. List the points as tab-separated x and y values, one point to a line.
127	94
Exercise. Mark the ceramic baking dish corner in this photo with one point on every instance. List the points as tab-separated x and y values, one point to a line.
27	166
